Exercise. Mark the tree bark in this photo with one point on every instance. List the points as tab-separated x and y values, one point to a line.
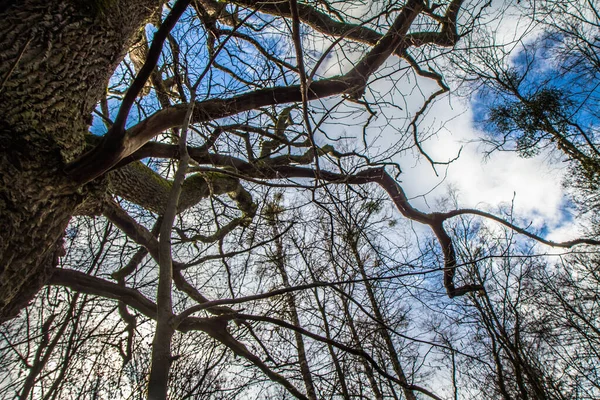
55	62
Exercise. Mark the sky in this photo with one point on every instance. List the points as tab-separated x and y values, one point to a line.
533	187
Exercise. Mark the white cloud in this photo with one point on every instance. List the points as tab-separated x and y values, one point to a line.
532	185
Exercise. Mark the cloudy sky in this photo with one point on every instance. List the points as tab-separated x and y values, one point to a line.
533	186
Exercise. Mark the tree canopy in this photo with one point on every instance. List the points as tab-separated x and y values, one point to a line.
206	199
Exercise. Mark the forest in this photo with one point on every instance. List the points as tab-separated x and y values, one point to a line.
319	199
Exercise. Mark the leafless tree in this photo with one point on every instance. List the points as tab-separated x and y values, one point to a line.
143	143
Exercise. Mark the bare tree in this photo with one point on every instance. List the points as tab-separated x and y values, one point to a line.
141	145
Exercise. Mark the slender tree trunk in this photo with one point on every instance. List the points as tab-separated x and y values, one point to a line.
334	357
161	362
55	61
408	393
358	344
279	261
165	329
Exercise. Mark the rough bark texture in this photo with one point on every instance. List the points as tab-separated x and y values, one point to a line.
55	60
139	184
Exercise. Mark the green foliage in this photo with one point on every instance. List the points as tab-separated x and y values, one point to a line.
532	119
274	208
372	207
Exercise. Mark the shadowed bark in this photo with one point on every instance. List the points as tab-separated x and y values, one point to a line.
55	62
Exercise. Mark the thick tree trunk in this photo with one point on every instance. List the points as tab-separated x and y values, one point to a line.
55	61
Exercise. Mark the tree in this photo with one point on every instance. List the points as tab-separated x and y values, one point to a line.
531	333
50	90
540	90
146	114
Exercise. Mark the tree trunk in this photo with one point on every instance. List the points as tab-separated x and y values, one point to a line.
279	260
385	335
55	61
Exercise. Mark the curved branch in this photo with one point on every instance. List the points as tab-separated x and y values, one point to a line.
84	283
113	149
220	334
252	171
324	24
118	144
537	238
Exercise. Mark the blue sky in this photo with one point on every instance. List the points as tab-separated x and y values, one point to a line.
452	123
